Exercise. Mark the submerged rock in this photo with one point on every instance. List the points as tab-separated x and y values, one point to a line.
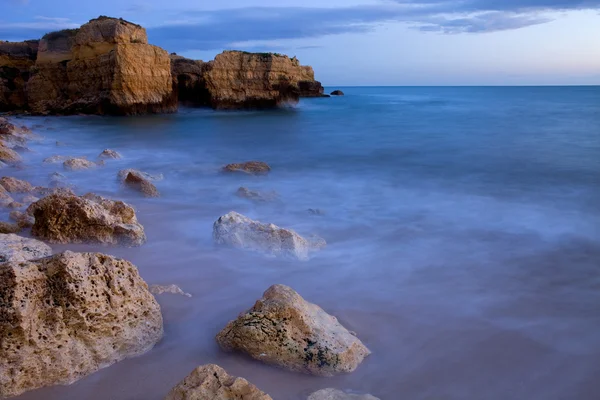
66	316
110	154
335	394
236	230
14	185
22	219
78	164
285	330
56	159
256	196
8	155
172	289
9	227
122	175
139	183
337	93
66	218
211	382
18	249
316	211
250	167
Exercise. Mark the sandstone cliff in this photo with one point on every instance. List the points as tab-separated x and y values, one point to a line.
16	59
242	80
104	67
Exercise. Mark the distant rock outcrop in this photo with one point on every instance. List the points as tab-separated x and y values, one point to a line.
337	93
16	59
104	67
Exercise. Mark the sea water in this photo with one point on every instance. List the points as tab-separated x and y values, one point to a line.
463	231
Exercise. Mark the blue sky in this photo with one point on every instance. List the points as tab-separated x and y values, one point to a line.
360	42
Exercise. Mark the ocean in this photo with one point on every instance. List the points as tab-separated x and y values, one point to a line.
463	231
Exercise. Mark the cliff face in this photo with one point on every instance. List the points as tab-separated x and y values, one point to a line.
241	80
105	67
16	58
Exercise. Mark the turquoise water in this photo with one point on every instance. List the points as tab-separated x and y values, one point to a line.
463	227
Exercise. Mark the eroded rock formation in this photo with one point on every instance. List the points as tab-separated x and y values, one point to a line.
16	60
237	230
285	330
66	316
66	218
211	382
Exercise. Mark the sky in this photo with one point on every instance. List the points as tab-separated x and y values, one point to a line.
360	42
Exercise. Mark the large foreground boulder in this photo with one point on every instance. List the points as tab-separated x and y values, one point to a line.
18	249
66	316
211	382
335	394
285	330
66	218
239	231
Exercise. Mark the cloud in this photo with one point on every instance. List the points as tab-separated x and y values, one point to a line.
215	29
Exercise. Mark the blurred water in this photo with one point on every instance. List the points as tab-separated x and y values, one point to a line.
463	227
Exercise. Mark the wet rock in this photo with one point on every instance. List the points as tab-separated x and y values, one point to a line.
140	184
236	230
316	211
14	185
337	93
18	249
249	167
122	175
8	155
285	330
110	154
66	218
8	227
15	205
56	159
335	394
172	289
256	196
22	219
5	197
66	316
78	164
211	382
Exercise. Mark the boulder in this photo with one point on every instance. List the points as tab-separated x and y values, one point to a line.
14	185
66	316
15	248
211	382
249	167
78	164
8	155
172	289
104	67
285	330
337	93
110	154
256	196
335	394
139	183
66	218
9	227
122	175
238	231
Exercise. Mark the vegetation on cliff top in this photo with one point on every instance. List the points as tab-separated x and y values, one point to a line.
65	33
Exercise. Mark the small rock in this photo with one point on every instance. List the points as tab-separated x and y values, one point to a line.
8	227
14	185
56	159
15	205
9	155
19	249
139	183
256	196
285	330
316	211
68	315
249	167
211	382
337	93
122	175
335	394
108	153
78	164
66	218
236	230
172	289
22	219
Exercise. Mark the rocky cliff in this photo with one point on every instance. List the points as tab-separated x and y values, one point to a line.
16	59
104	67
241	80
